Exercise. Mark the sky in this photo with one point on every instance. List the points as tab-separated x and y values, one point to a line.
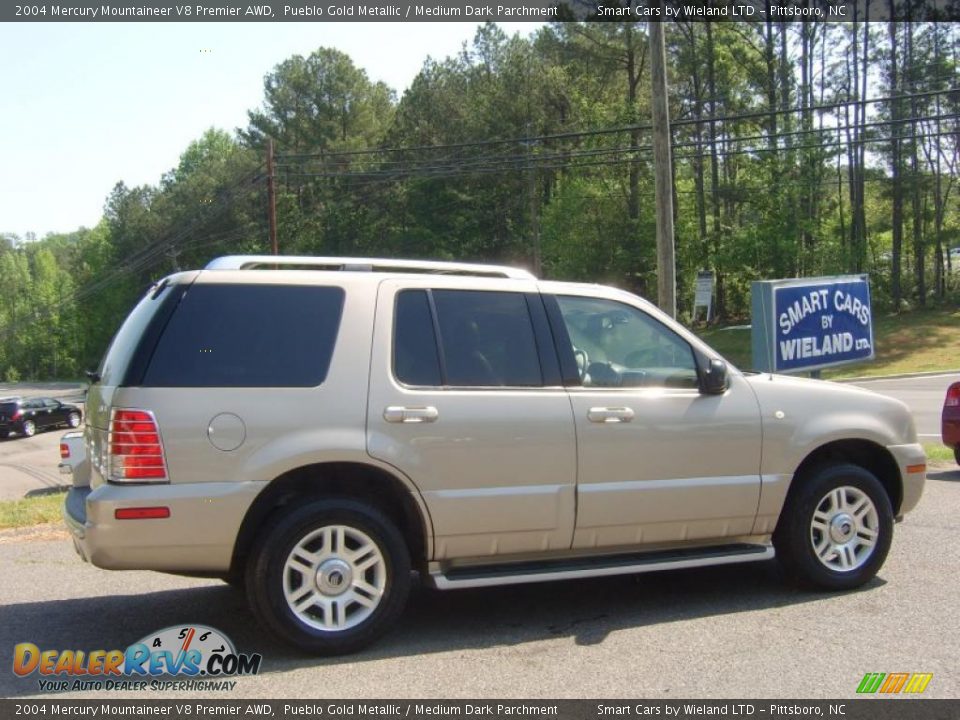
86	105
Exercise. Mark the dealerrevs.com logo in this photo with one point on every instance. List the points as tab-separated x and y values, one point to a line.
202	657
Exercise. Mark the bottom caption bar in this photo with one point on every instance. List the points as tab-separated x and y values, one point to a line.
874	709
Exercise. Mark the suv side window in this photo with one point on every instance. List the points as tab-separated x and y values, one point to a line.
486	339
617	345
415	357
248	336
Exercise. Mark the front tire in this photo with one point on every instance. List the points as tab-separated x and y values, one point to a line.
956	454
28	428
329	577
835	530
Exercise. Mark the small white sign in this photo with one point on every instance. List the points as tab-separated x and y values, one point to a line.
703	296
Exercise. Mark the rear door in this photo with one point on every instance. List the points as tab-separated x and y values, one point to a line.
465	399
7	411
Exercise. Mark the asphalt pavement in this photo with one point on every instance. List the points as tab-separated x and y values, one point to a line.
735	631
923	395
29	465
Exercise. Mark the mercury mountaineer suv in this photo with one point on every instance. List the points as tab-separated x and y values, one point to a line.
314	429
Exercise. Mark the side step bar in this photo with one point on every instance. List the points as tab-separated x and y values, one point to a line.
587	567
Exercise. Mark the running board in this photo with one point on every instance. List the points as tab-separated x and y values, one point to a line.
587	567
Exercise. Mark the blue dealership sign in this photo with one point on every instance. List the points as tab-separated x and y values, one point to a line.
812	323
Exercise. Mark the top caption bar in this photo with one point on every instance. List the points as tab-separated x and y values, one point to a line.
480	11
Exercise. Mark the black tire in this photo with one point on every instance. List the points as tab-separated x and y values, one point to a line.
28	428
267	573
795	535
73	419
956	453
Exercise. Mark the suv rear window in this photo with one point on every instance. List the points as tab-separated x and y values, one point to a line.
127	340
248	336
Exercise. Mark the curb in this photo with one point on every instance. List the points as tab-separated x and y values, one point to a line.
900	376
52	490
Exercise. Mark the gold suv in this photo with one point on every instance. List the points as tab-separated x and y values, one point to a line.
313	429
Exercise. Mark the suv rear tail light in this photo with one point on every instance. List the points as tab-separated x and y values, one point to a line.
136	450
953	396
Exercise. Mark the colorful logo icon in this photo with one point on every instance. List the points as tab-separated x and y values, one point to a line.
891	683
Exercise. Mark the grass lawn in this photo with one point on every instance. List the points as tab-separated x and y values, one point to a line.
918	341
31	511
939	453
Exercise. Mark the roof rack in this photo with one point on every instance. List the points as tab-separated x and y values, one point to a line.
266	262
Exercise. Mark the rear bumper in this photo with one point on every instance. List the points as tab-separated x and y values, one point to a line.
912	462
198	536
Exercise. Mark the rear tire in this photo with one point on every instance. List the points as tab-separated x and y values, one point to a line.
28	428
956	454
330	577
73	419
835	530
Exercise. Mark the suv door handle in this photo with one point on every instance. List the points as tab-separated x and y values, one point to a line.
610	414
401	414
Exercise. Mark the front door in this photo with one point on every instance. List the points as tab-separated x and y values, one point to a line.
466	400
658	461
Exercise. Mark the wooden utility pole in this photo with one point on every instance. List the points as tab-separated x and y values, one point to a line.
534	217
271	199
663	174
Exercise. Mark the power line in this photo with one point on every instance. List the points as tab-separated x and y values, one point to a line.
616	130
141	260
628	154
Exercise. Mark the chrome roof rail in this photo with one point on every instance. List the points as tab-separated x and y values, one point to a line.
267	262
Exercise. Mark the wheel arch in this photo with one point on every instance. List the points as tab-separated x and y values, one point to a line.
353	480
867	454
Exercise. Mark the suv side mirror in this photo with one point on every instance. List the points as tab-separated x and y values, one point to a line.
714	380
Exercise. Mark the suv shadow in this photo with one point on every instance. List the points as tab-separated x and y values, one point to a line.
585	610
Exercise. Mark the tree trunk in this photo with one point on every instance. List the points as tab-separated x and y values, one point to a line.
916	204
896	291
715	173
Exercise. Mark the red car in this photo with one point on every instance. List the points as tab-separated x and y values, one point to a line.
950	427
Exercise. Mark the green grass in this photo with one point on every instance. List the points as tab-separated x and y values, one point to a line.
938	452
31	511
918	341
